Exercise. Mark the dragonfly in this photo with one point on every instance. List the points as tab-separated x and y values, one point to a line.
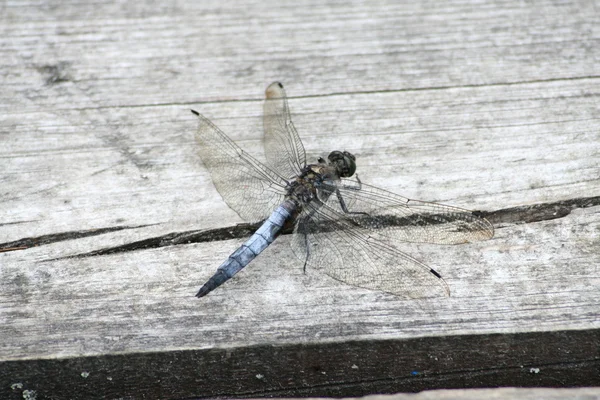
341	226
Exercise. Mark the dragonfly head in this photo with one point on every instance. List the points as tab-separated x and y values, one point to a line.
343	162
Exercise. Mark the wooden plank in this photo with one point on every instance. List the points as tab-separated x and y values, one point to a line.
143	300
208	51
339	369
491	108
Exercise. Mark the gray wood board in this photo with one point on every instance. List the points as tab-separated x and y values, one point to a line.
492	108
541	275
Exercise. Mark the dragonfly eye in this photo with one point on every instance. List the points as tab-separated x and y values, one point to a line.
344	163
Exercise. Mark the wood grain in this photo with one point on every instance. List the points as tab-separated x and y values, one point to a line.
109	222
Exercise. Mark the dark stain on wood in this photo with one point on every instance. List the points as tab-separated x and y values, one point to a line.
549	359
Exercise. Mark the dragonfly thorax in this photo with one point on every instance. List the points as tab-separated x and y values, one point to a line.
344	163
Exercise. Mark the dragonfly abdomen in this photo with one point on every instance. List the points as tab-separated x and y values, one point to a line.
260	240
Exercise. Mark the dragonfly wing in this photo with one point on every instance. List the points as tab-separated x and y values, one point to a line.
404	220
249	187
332	243
283	148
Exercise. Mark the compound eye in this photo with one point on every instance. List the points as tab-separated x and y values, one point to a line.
344	163
350	155
349	166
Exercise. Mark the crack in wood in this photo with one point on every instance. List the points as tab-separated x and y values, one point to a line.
26	243
537	212
177	238
19	222
516	215
335	94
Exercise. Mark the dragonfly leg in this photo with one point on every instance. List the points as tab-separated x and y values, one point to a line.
359	182
358	187
302	228
307	252
343	203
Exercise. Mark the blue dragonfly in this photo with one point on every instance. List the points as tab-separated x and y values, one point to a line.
341	226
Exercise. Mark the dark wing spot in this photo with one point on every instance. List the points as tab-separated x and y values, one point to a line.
433	271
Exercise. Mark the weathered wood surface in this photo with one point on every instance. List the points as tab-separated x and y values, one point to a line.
491	107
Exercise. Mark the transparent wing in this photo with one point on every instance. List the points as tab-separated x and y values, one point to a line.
249	187
283	148
354	243
334	245
404	220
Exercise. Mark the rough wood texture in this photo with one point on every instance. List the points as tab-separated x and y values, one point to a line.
492	107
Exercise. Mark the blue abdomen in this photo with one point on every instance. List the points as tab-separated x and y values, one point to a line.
260	240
